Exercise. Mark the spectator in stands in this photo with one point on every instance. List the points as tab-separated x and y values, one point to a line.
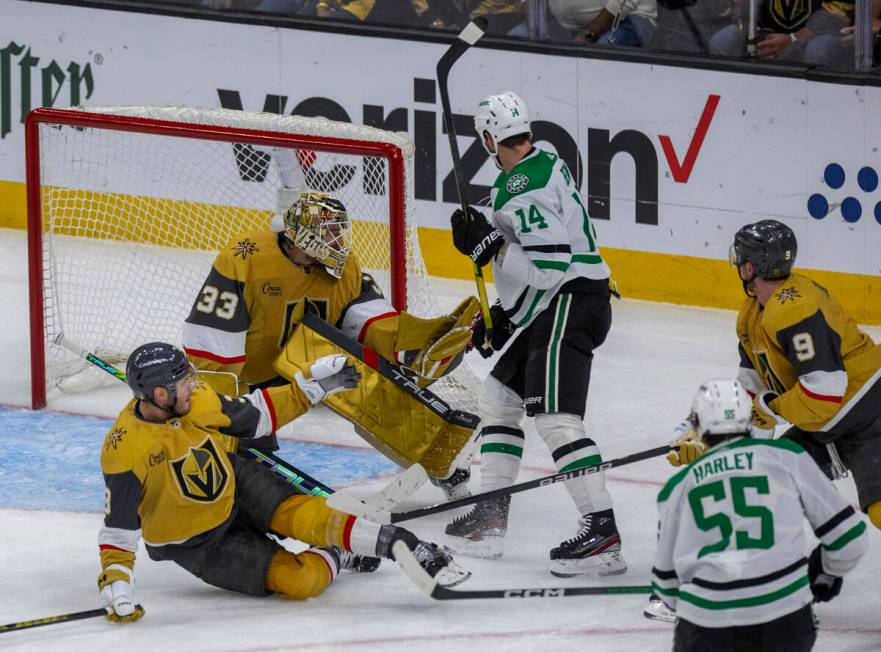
808	32
505	16
607	22
687	25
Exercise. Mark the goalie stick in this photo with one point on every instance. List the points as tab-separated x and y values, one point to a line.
391	371
400	487
409	564
351	505
467	37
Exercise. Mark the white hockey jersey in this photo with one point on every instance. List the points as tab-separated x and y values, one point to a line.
731	540
549	237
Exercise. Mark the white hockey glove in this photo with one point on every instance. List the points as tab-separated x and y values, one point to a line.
329	375
116	590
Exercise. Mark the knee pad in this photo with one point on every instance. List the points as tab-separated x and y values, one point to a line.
874	513
500	405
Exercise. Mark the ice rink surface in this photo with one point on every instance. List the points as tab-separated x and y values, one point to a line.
644	376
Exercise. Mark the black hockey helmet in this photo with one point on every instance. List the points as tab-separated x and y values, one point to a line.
156	364
769	245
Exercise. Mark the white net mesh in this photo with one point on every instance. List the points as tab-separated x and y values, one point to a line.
132	221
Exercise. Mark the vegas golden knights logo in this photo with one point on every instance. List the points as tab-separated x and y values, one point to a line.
200	474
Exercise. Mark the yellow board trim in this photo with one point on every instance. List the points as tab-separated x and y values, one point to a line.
686	280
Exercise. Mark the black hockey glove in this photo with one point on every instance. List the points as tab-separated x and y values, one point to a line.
503	328
823	585
474	236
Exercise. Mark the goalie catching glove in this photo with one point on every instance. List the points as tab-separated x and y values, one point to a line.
329	375
116	590
474	236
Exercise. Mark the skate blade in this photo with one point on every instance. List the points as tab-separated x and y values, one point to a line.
486	548
603	565
657	610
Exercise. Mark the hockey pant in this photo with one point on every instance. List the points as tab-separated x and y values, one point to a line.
502	440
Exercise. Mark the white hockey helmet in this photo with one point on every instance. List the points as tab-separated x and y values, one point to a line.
502	116
722	407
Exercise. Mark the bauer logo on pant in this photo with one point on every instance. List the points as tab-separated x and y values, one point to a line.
200	474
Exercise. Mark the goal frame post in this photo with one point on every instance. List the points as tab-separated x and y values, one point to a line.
391	153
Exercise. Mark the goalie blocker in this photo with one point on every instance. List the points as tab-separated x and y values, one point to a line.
404	421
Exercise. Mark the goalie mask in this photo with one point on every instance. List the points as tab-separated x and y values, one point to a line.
317	224
721	409
501	116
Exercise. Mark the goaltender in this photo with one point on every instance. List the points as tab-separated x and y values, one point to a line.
253	299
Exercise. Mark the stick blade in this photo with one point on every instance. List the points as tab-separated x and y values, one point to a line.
399	489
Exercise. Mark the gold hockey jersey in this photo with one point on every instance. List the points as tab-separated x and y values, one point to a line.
806	348
172	481
247	307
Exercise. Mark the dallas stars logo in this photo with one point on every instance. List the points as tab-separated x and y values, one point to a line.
517	183
787	294
244	248
114	438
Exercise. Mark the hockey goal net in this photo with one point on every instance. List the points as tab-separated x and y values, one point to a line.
127	208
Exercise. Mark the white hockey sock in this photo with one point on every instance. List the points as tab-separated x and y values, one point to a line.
571	449
501	440
501	451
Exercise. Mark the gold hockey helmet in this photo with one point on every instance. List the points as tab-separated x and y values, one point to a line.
318	224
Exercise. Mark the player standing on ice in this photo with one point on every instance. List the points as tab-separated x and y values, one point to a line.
248	306
731	546
169	481
553	285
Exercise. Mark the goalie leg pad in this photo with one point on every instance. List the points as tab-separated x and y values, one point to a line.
571	449
502	438
387	417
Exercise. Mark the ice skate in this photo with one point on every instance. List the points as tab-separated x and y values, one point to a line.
455	486
594	550
481	532
657	610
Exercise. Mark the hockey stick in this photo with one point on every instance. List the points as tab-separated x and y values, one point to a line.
392	372
467	37
351	505
400	487
53	620
408	563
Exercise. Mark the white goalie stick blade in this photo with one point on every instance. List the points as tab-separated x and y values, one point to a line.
375	508
401	487
429	585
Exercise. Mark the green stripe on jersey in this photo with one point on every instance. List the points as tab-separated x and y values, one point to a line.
535	300
668	488
551	264
739	603
847	537
587	259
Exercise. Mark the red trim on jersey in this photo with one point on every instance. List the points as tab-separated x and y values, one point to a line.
347	533
326	563
371	358
271	409
213	356
107	546
373	319
821	397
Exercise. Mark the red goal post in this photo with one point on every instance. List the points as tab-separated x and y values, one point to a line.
128	206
